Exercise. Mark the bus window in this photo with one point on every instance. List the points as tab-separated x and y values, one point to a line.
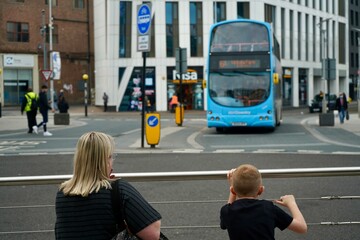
253	37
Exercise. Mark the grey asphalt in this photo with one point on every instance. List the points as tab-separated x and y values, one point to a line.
12	120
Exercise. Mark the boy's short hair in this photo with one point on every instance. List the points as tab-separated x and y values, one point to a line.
44	87
246	180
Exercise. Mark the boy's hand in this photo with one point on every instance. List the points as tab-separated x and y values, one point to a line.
229	175
286	200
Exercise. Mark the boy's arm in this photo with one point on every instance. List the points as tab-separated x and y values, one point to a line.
298	224
232	195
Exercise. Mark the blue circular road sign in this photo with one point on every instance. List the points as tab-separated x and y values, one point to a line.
144	19
153	121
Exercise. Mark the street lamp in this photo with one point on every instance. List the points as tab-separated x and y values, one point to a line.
323	61
85	77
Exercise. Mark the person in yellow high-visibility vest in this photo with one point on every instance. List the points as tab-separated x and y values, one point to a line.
29	105
173	103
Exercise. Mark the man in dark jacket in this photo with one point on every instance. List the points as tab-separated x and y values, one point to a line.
43	107
342	106
31	110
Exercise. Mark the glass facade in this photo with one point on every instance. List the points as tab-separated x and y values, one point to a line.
196	29
16	82
133	96
219	11
125	29
243	10
172	28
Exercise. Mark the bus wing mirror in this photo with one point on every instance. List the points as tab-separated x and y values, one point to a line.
276	78
204	83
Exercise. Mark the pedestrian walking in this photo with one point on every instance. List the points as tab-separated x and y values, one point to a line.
173	103
106	99
30	105
43	108
342	107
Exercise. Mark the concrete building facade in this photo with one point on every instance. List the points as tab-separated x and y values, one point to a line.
307	30
354	48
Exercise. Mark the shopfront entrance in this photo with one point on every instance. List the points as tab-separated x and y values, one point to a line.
191	91
16	83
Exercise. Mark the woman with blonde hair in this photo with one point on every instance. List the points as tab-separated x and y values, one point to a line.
85	203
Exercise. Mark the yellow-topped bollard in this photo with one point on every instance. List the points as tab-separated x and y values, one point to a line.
179	115
152	129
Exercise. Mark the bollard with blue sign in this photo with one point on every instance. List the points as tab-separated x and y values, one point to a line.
152	129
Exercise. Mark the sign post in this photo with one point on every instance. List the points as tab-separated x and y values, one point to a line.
143	45
181	68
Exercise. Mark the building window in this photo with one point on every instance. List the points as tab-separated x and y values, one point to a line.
314	4
270	15
125	29
55	34
299	36
307	37
356	18
17	32
283	32
79	4
219	11
352	59
172	28
243	10
342	47
17	1
53	2
291	33
351	17
196	31
314	39
341	6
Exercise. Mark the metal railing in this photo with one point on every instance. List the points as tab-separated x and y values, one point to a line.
190	175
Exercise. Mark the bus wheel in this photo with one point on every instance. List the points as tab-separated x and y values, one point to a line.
219	129
278	121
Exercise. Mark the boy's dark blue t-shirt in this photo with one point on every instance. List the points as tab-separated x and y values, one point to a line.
253	219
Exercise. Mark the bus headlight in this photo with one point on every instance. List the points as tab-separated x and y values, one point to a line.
217	118
266	118
261	118
210	112
212	118
269	111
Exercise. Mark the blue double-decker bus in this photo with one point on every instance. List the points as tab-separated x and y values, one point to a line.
243	76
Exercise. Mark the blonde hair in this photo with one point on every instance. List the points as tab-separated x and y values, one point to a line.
246	180
91	160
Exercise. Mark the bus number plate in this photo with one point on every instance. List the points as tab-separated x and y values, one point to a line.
239	124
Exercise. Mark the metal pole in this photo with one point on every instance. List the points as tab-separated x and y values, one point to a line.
143	100
190	175
85	78
50	50
43	33
181	88
358	79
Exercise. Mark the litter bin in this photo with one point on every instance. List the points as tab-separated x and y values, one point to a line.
152	129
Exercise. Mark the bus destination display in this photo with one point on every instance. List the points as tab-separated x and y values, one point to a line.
258	62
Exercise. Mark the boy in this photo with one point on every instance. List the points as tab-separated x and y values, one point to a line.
247	217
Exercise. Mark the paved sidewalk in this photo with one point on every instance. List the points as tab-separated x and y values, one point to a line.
13	120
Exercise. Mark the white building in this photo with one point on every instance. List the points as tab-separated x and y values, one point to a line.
297	25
